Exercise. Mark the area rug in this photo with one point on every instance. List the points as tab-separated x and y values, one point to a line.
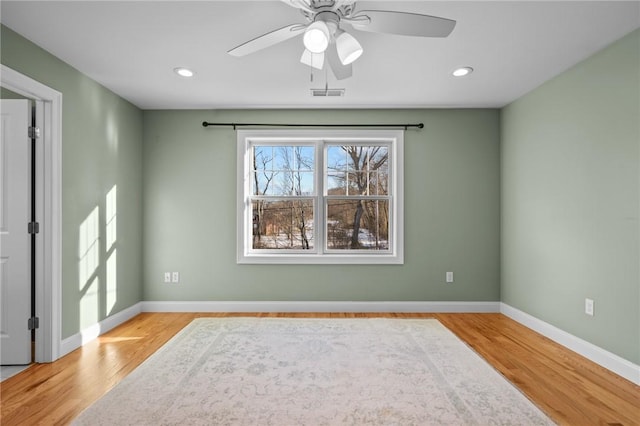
285	371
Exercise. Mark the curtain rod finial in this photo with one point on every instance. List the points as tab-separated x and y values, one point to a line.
205	124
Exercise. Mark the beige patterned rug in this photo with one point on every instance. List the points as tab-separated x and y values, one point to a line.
285	371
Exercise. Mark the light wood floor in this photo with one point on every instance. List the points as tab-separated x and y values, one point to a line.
566	386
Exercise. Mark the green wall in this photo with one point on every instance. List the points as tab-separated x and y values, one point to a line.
571	200
101	149
451	212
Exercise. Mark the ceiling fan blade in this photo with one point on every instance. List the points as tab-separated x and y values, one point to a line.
339	71
402	23
267	40
299	4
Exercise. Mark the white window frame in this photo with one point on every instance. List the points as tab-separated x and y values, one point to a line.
319	254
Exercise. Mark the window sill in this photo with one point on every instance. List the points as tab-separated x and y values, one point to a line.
324	259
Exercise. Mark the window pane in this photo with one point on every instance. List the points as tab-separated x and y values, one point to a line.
357	224
262	183
379	182
336	183
358	183
293	157
358	170
290	183
379	156
303	183
283	224
283	157
304	156
263	158
283	170
336	158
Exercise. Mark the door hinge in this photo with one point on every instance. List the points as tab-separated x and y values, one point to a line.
33	227
33	323
34	132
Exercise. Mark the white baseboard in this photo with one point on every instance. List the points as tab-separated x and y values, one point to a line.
88	334
324	306
606	359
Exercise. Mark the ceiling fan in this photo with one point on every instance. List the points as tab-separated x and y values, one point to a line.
325	38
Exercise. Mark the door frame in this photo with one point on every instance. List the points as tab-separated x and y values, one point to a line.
48	209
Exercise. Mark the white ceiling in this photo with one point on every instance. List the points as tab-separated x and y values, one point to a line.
132	47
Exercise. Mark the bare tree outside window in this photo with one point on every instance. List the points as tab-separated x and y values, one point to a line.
262	177
283	178
298	162
358	204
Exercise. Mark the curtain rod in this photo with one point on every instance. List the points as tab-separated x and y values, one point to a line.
235	125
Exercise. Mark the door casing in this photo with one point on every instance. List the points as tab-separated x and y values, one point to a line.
48	268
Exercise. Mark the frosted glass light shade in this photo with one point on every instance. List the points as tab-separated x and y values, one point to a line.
315	60
348	48
316	37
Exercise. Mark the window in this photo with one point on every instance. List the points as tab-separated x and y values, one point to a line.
320	196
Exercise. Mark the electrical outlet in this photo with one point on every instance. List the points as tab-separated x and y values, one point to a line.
175	277
588	306
167	277
449	277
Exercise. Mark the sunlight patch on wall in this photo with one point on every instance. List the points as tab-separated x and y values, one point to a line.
112	281
89	260
111	237
111	217
89	247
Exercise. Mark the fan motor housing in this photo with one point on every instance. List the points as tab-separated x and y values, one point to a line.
320	6
330	18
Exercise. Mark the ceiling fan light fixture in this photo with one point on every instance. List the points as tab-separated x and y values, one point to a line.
348	48
316	37
461	72
315	60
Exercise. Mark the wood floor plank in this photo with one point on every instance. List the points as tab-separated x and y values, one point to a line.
569	388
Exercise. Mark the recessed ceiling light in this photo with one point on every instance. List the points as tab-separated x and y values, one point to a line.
183	72
461	72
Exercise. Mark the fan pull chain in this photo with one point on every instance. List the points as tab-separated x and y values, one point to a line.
326	77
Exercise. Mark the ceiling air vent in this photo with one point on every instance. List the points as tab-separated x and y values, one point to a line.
326	92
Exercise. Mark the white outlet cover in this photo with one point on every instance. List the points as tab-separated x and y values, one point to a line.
175	277
588	306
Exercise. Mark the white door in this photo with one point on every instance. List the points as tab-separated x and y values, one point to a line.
15	247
